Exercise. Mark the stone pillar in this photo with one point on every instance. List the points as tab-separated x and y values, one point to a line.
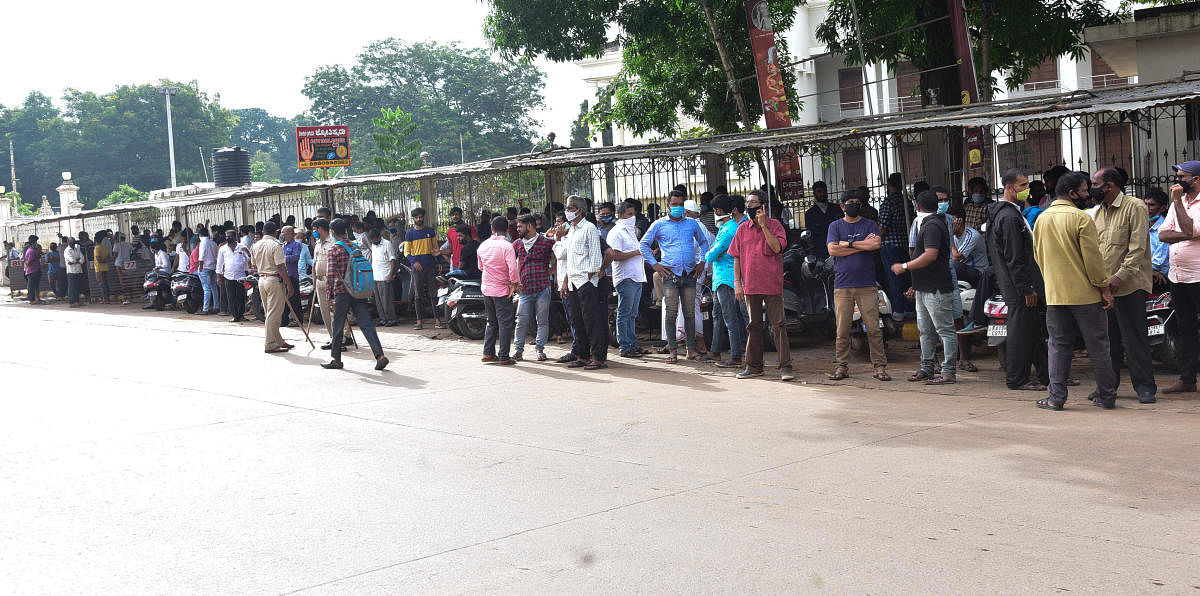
45	209
555	186
68	204
714	171
428	190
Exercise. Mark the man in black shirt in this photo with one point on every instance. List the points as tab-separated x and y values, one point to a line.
819	216
934	291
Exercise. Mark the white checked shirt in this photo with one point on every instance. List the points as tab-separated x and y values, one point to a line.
583	255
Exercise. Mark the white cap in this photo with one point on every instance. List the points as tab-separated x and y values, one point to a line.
690	205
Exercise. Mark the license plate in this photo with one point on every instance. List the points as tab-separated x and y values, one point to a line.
997	330
1157	329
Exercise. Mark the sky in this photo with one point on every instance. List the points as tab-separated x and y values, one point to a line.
253	53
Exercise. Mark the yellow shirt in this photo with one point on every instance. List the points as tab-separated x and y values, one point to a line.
1066	247
102	258
1124	230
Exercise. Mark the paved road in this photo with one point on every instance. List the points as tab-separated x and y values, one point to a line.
162	453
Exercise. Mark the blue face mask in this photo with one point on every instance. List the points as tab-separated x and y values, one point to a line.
316	236
943	206
677	212
606	219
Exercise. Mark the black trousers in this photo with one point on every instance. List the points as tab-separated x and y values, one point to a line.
1025	345
295	301
1186	300
591	323
983	291
1127	339
235	298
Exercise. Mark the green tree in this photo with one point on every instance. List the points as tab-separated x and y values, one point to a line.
256	130
581	135
124	194
670	65
263	168
20	207
449	90
398	151
1058	24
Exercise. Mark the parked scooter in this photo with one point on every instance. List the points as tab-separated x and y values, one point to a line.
462	302
187	291
306	296
858	333
253	299
807	290
158	289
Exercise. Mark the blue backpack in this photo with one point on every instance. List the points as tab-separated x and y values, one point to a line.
359	281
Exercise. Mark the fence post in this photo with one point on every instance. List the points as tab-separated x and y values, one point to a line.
555	184
246	212
714	171
429	201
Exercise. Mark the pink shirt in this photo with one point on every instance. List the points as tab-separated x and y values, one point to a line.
762	268
1185	256
498	262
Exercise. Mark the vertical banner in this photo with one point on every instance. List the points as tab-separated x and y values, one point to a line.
789	178
967	81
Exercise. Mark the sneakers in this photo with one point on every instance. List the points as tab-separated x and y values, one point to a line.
746	374
786	375
972	328
541	357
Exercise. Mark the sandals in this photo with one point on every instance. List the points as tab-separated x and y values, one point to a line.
881	374
579	364
967	365
920	375
941	380
439	325
596	365
1046	404
839	373
672	359
700	357
1073	383
1031	386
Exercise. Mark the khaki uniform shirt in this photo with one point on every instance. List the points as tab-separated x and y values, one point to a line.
267	255
1067	248
320	257
1124	230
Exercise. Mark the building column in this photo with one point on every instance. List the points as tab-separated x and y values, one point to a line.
428	189
555	185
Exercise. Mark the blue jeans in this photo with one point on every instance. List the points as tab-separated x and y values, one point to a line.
629	298
896	284
530	304
935	320
210	297
729	323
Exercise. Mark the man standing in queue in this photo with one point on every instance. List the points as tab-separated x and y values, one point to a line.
1124	228
583	264
934	292
853	242
274	284
1180	230
757	251
336	268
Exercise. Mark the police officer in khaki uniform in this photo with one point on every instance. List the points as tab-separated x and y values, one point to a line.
273	284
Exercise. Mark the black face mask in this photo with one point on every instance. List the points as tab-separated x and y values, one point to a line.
852	209
823	199
1186	185
1080	202
752	211
1096	195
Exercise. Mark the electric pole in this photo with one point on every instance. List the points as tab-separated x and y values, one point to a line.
12	166
168	92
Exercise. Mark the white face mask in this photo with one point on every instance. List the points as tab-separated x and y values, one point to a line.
571	215
722	218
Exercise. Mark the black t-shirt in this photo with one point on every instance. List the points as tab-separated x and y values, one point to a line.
936	277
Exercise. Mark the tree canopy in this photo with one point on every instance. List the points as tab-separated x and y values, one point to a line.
670	63
123	194
449	91
109	139
274	138
398	151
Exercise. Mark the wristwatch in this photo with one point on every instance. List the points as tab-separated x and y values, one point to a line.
904	266
850	245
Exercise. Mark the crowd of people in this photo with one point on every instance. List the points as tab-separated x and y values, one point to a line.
1072	256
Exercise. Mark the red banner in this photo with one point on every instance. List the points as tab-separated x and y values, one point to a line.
789	178
966	79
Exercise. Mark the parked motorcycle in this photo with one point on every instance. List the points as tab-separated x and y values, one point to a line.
1160	328
187	291
158	289
253	299
306	297
807	290
462	302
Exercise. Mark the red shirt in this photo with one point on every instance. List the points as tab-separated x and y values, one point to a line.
194	262
762	268
336	262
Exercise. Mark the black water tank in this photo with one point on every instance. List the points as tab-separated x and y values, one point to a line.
231	166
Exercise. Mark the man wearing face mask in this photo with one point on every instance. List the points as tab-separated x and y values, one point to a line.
628	274
1066	248
1181	231
1009	240
977	203
73	258
729	316
893	223
757	251
320	269
1124	228
853	241
1156	208
581	279
819	216
678	238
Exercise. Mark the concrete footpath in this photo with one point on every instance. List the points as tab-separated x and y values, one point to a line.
165	453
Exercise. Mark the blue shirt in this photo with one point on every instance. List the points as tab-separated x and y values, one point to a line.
1160	256
856	270
291	257
52	258
677	241
305	265
1031	214
718	253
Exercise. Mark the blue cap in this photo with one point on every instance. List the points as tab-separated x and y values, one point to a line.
1191	167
